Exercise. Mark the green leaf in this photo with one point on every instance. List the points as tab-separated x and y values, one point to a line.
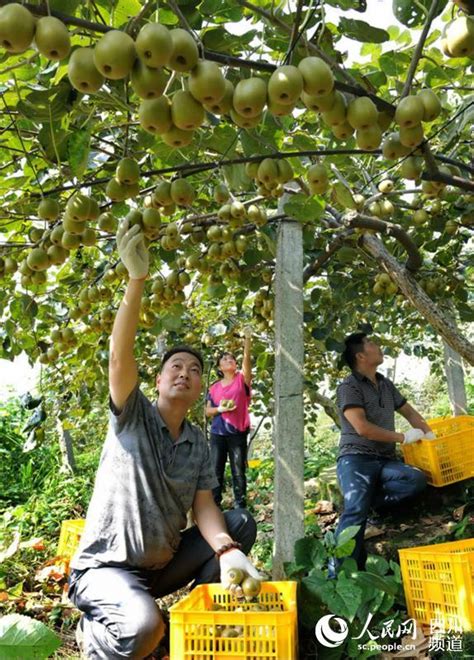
304	208
346	535
22	638
362	31
78	148
350	594
413	14
309	553
394	63
334	345
379	582
65	6
343	195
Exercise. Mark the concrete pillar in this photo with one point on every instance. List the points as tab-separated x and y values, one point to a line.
288	389
455	379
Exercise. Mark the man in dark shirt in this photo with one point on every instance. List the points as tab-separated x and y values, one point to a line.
368	471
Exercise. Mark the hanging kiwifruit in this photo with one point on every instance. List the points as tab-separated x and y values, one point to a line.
337	114
319	103
148	83
82	72
128	171
154	115
279	110
177	137
52	38
245	122
392	148
225	104
317	76
362	112
460	36
17	28
369	138
48	209
161	195
186	113
184	51
285	85
114	54
153	45
182	192
206	82
78	207
250	96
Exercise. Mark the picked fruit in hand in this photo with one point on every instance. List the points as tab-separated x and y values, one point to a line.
251	587
235	575
228	404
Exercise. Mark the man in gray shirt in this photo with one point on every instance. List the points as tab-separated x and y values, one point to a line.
368	471
154	467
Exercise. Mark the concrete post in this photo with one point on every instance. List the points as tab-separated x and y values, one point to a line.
455	379
288	389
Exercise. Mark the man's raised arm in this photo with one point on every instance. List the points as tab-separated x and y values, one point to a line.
123	371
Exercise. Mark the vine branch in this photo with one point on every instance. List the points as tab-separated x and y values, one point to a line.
419	48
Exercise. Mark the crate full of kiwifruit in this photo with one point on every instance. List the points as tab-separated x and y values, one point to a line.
212	624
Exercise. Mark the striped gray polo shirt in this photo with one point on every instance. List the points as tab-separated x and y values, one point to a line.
145	484
379	402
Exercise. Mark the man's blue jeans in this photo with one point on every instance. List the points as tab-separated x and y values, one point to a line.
369	482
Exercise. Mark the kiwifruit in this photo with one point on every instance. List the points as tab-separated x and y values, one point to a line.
128	171
184	52
206	82
317	76
82	72
17	28
177	137
225	104
250	96
362	113
285	85
154	115
52	38
182	192
48	209
153	45
245	122
114	54
38	259
186	113
148	83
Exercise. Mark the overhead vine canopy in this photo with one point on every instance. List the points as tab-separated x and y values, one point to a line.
210	122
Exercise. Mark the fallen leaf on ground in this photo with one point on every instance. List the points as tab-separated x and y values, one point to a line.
324	506
371	532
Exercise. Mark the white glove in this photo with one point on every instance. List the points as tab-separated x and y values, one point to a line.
236	559
429	436
132	250
248	332
413	435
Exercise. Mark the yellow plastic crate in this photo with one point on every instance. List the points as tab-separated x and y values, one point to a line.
195	632
450	457
439	583
71	532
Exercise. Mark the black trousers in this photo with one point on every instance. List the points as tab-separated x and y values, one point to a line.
234	446
121	617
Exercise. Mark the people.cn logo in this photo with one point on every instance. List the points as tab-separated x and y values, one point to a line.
326	635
